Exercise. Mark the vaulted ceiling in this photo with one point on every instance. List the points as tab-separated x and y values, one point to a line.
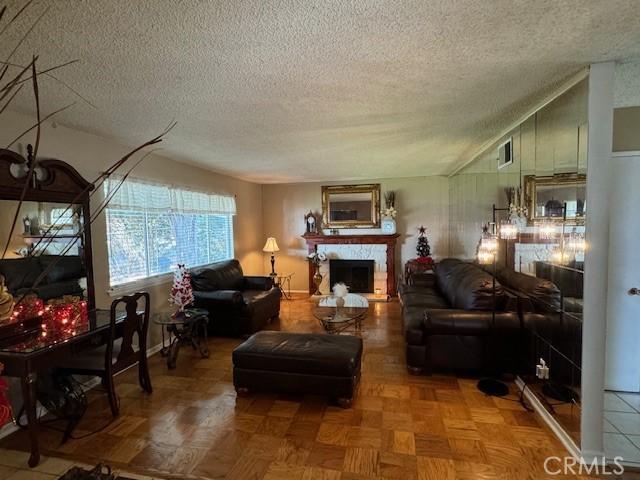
285	90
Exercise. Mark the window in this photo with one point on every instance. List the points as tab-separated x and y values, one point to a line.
152	228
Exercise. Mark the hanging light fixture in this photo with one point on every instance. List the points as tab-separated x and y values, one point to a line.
508	230
560	256
487	248
546	230
489	243
577	243
485	257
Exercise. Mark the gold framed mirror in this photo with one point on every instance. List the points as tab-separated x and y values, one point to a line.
351	206
547	196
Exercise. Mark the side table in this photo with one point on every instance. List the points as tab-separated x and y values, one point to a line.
284	284
183	330
414	266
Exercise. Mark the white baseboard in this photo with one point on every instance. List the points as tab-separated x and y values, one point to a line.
551	422
10	428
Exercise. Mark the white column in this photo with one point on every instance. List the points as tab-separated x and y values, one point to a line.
601	89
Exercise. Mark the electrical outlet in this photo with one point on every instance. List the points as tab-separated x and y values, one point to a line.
542	370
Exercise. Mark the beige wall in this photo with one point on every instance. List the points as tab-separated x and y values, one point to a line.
90	154
626	129
419	201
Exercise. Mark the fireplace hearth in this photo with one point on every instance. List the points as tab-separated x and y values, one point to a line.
356	274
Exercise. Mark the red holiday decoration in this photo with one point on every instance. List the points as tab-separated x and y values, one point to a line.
64	316
181	291
425	260
30	307
5	406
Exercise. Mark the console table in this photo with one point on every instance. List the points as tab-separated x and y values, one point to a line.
28	353
313	240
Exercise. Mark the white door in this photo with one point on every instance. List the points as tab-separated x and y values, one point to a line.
623	306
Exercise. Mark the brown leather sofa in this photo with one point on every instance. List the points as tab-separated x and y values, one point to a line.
238	305
553	330
450	324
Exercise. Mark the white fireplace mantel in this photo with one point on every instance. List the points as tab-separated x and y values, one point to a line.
379	248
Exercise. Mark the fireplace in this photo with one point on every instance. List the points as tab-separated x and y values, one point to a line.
378	248
356	274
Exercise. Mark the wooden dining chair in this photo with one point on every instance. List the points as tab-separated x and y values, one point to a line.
118	354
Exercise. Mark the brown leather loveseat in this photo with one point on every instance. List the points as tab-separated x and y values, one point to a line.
238	305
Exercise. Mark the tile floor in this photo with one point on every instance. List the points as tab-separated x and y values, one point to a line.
13	466
622	426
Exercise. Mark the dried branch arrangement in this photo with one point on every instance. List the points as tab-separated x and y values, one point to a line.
13	79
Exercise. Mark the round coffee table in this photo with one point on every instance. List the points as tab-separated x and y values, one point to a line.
338	319
183	330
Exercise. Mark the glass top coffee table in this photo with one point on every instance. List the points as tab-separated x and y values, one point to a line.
339	319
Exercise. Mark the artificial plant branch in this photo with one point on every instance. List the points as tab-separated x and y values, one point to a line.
37	125
32	165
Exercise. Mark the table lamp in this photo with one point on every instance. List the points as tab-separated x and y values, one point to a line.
271	246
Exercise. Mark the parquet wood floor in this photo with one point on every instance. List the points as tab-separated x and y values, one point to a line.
400	427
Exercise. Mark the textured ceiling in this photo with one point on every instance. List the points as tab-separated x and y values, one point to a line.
283	91
627	83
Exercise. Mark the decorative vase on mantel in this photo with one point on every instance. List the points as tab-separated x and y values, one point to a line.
317	279
388	222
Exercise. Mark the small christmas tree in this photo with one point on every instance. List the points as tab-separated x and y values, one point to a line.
181	291
423	248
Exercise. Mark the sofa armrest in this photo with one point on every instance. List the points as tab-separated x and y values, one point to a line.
218	298
469	322
258	283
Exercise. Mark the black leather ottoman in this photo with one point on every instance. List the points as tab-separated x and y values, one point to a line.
300	363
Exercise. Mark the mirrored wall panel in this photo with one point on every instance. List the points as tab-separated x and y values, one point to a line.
532	200
46	254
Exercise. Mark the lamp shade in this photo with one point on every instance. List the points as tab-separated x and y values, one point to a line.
271	245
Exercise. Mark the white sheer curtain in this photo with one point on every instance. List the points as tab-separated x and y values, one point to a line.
135	194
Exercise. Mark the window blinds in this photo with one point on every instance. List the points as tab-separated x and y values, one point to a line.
151	228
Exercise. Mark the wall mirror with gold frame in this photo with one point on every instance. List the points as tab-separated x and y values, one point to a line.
351	206
546	197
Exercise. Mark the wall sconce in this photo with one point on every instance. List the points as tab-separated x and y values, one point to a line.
546	230
489	243
488	249
485	257
508	230
577	242
560	256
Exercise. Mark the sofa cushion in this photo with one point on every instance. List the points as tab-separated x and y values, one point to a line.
66	267
305	353
543	294
443	271
471	288
225	275
47	291
568	279
407	289
20	272
425	300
